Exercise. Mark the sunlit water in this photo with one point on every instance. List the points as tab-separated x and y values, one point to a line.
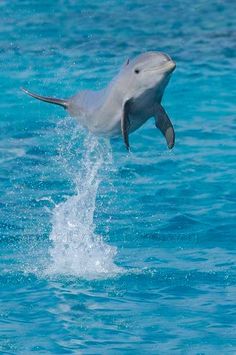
104	251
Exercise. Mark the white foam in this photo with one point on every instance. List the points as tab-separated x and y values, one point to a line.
76	248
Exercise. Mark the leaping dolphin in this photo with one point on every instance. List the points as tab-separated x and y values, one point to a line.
129	100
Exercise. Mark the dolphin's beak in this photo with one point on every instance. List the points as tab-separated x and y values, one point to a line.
170	66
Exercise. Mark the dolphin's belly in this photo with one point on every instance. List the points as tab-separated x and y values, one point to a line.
110	126
141	110
107	126
137	121
113	128
106	120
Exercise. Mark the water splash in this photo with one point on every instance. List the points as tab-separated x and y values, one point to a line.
76	248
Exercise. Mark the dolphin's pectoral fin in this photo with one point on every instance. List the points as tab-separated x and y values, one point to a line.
125	123
165	126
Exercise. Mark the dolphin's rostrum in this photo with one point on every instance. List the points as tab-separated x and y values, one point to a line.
128	101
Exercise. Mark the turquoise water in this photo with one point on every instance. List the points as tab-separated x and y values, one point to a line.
105	252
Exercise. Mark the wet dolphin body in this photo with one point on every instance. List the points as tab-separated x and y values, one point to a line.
128	101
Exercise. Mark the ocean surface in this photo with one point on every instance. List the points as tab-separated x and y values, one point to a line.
104	251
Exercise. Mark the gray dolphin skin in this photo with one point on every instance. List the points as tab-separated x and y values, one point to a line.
129	100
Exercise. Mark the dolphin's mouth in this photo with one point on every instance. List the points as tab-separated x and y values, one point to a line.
167	67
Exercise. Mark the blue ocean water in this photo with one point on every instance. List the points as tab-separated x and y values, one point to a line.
105	252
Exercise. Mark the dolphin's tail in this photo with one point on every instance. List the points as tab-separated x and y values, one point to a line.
51	100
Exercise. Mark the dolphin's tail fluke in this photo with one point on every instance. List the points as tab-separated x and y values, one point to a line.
51	100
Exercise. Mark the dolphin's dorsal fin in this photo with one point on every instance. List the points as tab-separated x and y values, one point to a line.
163	123
126	63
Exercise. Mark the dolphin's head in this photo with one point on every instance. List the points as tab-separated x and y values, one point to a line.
150	70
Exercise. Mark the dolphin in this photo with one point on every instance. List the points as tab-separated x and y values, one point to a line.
128	101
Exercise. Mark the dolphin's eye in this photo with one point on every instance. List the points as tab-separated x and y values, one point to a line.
137	71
